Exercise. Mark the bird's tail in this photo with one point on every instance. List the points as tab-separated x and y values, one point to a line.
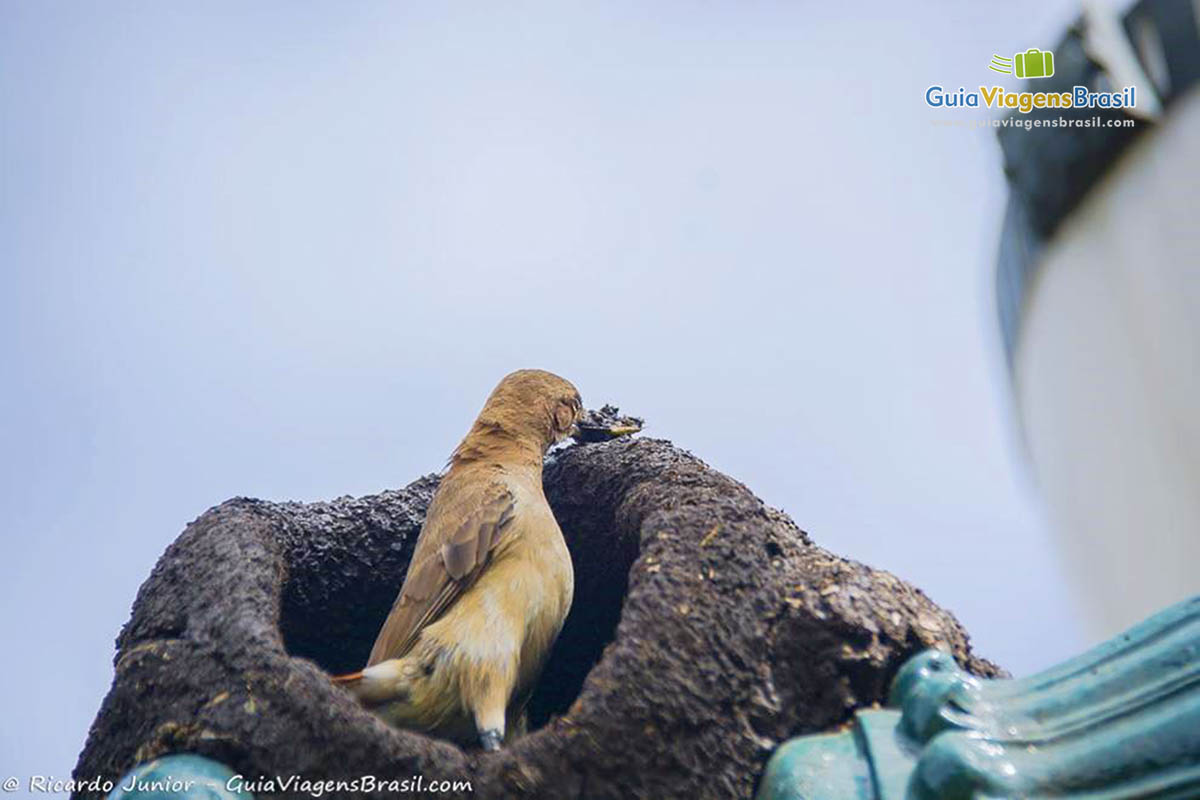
386	682
404	693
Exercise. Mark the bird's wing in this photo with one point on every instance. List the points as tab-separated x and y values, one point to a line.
462	527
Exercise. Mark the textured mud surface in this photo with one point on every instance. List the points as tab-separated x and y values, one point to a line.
706	629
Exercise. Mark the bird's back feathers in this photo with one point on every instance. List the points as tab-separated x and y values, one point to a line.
465	522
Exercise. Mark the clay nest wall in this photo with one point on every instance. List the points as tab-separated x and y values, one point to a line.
706	629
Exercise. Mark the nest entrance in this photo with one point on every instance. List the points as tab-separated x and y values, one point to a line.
331	612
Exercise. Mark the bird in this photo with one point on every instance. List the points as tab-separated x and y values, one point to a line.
490	582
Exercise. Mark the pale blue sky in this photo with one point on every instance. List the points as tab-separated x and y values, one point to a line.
285	250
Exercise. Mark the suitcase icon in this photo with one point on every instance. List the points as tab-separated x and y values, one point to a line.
1034	63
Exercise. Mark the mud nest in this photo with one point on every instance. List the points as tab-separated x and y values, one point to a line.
706	629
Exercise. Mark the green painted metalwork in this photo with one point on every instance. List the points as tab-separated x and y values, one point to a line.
1120	721
833	765
179	776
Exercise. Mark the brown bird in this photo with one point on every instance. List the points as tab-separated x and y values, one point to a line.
490	581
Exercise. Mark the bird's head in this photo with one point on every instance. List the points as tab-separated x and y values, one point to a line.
534	405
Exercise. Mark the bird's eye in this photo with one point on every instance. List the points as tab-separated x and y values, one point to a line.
564	417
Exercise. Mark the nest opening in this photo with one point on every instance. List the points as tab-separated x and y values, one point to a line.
333	606
602	559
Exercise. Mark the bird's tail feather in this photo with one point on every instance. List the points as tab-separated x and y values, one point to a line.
388	682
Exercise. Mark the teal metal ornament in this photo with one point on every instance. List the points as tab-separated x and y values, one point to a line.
1120	721
867	759
178	776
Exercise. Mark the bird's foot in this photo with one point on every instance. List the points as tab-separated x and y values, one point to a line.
490	740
